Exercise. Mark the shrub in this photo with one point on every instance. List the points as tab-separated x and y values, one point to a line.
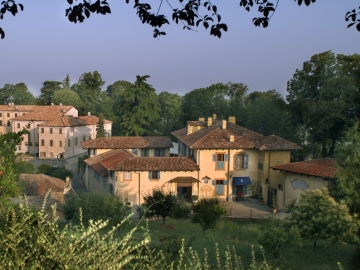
95	206
289	208
181	210
43	168
207	212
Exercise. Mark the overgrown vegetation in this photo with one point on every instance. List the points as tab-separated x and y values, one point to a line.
60	173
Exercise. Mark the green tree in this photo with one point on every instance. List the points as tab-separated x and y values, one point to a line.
66	83
21	167
9	186
89	90
47	92
100	129
17	94
320	96
170	113
67	97
347	183
319	217
159	203
139	108
207	212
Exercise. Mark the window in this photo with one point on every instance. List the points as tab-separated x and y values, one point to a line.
8	123
61	155
220	159
69	143
144	152
18	125
112	174
42	130
42	143
159	152
76	141
60	130
51	154
43	154
15	114
154	175
260	166
60	143
1	123
127	176
104	182
134	151
19	148
8	114
97	177
241	161
51	131
111	189
206	180
0	114
219	186
51	143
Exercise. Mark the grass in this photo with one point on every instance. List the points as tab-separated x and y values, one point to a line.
243	235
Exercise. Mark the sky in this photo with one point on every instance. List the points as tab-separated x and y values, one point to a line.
41	44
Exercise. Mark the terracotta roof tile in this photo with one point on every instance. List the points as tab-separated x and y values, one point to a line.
156	164
71	121
215	137
128	142
322	167
38	113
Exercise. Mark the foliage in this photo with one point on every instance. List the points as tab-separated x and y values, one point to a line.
28	240
9	186
159	203
181	209
48	91
290	206
347	182
25	167
60	173
100	129
274	235
170	113
207	212
319	217
17	94
274	204
314	92
67	97
42	168
138	108
95	206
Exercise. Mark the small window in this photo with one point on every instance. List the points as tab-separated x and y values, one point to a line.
60	143
19	148
51	154
18	125
76	141
112	174
69	143
51	143
159	152
1	123
241	161
51	131
111	189
42	130
8	123
220	160
97	176
144	152
154	175
43	154
42	142
0	114
134	151
127	176
15	114
260	166
61	155
8	114
60	130
219	186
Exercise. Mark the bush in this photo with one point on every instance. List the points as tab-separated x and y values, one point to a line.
95	206
43	168
181	210
207	212
60	173
289	208
21	167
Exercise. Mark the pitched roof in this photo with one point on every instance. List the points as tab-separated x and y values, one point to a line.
322	167
128	142
37	113
156	164
71	121
215	137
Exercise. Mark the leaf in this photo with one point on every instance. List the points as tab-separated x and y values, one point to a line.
351	24
87	13
2	33
299	2
214	8
21	7
70	2
358	27
13	10
307	2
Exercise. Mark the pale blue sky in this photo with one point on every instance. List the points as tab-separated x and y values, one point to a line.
41	44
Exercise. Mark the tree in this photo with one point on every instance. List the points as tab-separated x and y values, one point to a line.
100	130
319	217
67	97
66	83
159	203
170	113
193	13
9	186
89	90
25	167
321	98
138	108
347	182
17	94
48	91
207	212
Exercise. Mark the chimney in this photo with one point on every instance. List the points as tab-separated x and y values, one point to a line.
214	116
188	129
89	113
202	119
209	122
232	119
52	104
223	124
64	110
60	104
231	138
9	104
